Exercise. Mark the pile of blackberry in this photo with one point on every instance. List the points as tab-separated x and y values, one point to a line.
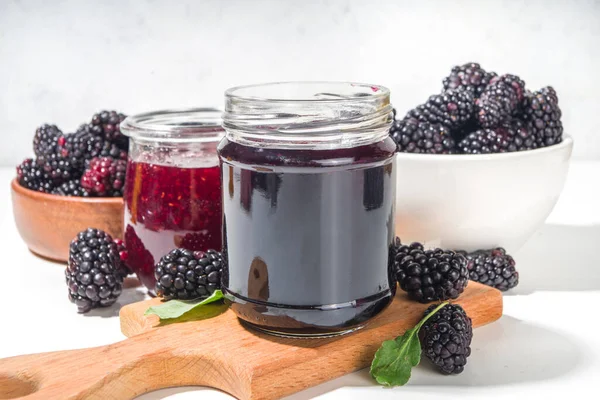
87	163
480	112
428	275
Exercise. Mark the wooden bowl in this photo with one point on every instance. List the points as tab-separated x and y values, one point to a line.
47	223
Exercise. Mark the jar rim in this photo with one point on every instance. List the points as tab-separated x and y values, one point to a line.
362	91
307	114
175	125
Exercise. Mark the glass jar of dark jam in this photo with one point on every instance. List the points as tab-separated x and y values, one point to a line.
173	186
308	177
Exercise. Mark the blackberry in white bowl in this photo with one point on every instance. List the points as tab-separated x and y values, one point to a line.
543	116
414	136
469	76
453	108
494	177
501	99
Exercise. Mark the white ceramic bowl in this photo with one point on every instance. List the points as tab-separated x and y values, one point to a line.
472	202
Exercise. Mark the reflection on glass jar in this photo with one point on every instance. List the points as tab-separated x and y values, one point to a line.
309	187
173	187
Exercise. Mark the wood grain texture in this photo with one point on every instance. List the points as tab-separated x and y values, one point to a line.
47	223
218	352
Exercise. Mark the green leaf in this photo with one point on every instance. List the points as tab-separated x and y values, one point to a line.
207	311
176	308
394	360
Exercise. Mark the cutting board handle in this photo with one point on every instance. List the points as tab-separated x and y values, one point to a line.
118	371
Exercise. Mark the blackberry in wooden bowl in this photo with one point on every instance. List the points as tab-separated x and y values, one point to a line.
75	181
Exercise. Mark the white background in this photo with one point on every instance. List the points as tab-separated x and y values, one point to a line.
60	61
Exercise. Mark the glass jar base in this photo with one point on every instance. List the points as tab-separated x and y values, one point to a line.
308	321
299	335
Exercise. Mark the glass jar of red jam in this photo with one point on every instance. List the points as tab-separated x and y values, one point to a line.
308	173
173	186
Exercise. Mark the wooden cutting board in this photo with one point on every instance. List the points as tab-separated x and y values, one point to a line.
218	352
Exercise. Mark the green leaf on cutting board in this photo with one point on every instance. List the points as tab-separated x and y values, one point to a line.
394	360
176	308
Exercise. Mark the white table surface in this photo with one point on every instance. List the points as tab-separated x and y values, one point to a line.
547	344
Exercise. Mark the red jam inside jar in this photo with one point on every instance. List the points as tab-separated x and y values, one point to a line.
173	186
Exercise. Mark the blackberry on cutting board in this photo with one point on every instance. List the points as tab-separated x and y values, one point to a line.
483	141
414	136
93	276
470	77
105	177
452	108
45	140
33	177
429	275
446	338
543	116
493	268
502	98
185	274
71	188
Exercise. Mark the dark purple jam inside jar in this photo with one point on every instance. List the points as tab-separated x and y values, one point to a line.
173	186
308	199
